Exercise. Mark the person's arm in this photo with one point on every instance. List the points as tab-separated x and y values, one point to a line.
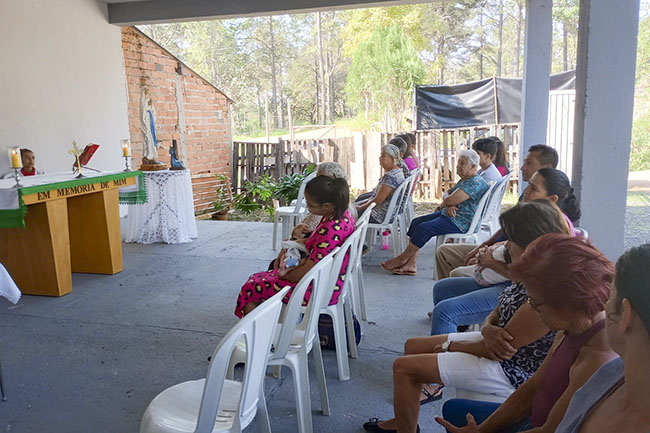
493	240
498	343
486	260
296	273
382	194
455	198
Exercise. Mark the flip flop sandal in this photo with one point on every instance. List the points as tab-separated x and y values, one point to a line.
431	397
385	268
372	427
398	272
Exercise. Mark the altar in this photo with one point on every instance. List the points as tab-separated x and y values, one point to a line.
57	224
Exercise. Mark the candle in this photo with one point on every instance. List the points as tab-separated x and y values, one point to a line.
126	149
16	160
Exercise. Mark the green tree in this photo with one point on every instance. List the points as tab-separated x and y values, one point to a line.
384	70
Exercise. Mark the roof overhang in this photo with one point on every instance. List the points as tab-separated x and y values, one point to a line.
133	12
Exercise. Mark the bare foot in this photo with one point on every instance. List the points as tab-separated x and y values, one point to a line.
393	263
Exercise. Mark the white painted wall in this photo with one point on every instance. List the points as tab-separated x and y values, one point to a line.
61	79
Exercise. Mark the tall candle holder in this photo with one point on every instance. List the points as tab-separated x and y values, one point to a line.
15	162
17	177
126	152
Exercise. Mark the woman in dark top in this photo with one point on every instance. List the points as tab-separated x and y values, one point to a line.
508	351
567	280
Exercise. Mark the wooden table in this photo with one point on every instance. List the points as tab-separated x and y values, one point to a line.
71	229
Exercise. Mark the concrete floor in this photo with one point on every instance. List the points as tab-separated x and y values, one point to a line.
92	360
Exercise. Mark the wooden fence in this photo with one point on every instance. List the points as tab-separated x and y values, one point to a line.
253	160
438	150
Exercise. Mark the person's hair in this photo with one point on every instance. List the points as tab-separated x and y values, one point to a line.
24	151
501	158
332	169
325	189
411	137
485	145
392	151
471	156
546	155
527	221
633	281
401	143
572	274
557	183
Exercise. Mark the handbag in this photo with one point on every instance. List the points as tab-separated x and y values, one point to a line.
326	331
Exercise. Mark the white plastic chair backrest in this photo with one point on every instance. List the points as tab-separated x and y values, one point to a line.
493	206
362	224
319	277
258	329
300	200
365	216
414	177
396	202
349	247
480	209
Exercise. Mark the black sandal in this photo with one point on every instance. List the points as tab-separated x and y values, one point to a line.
431	397
372	427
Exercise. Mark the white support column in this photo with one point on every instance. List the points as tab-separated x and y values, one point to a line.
537	69
606	62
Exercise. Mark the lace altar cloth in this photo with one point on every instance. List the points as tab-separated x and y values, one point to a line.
168	215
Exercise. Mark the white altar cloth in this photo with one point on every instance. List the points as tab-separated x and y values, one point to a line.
168	215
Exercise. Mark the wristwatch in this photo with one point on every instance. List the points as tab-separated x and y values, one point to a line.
445	345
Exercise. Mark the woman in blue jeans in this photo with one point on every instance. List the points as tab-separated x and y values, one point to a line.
462	301
455	215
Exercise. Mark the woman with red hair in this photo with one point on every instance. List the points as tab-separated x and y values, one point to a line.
567	280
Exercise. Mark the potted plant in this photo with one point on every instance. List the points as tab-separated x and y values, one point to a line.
224	201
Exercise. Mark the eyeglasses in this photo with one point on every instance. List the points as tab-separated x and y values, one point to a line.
534	304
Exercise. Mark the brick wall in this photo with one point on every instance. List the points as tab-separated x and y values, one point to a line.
207	121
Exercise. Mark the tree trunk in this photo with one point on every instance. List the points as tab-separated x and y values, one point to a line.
330	86
500	48
274	86
316	93
520	21
259	109
321	69
565	47
481	46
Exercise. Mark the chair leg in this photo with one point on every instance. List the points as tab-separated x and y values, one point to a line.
319	366
394	231
2	386
349	324
276	220
263	413
341	343
301	388
362	294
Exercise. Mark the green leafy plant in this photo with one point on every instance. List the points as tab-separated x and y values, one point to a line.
256	195
224	201
289	185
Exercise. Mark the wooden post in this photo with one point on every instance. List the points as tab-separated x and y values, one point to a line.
291	134
268	120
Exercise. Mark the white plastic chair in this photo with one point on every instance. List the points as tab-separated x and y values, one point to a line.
357	288
490	220
472	235
290	215
294	339
407	212
391	220
341	312
216	404
410	209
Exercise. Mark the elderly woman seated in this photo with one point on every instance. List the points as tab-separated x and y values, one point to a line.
393	177
328	198
567	281
508	350
455	214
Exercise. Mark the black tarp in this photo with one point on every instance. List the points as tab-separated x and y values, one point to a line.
474	103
